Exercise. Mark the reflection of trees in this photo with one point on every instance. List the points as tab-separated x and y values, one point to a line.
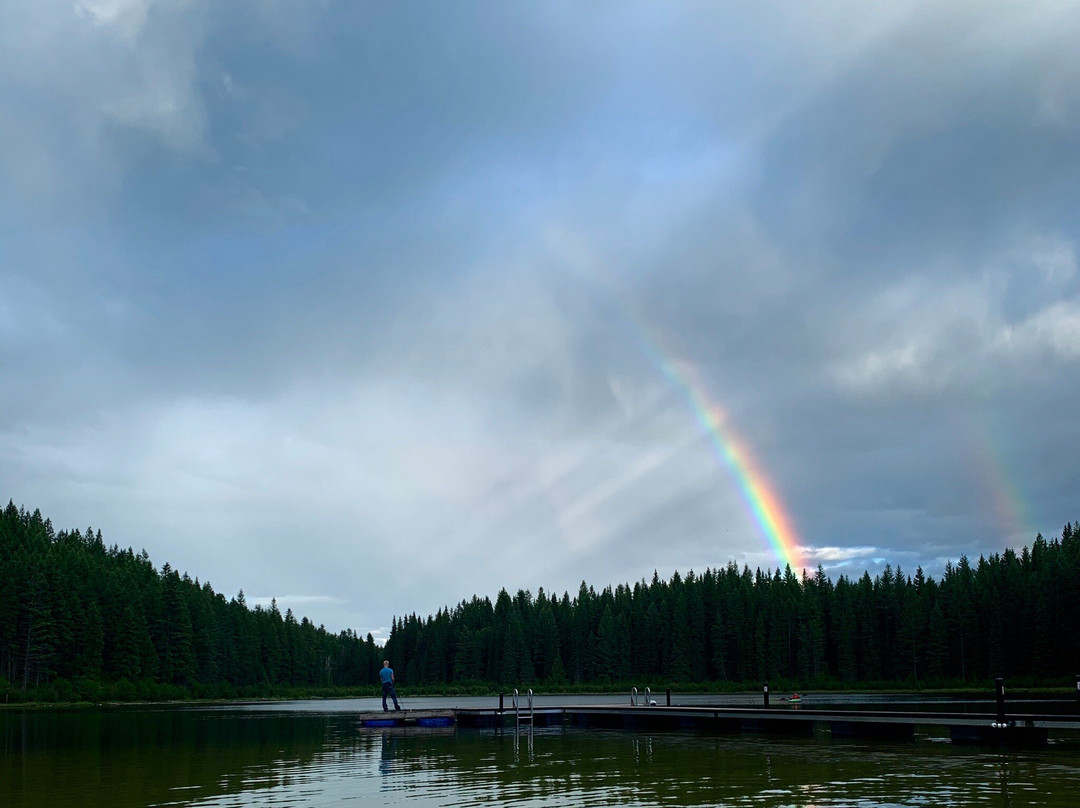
556	765
126	757
232	757
618	768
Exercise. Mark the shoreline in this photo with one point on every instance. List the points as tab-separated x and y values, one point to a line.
1061	693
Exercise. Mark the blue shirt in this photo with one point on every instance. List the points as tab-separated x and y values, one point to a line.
387	675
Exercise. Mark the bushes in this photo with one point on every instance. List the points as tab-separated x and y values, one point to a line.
122	690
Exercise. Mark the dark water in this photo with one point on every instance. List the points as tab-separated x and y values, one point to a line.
312	754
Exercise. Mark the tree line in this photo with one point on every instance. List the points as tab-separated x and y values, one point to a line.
80	620
1012	615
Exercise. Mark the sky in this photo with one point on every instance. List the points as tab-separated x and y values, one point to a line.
372	307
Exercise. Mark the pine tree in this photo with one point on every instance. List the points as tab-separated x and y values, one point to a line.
607	647
546	646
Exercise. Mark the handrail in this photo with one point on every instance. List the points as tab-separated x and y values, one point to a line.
517	706
646	700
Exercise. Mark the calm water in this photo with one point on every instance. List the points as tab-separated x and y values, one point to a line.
312	754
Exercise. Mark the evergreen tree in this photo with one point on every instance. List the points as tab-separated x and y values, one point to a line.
72	608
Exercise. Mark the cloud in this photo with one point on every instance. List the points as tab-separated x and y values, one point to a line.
127	17
371	302
1054	330
1055	257
935	335
127	61
289	601
834	556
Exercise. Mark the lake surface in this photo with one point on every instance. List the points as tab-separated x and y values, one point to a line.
308	754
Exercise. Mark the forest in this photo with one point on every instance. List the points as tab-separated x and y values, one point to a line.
83	621
1011	615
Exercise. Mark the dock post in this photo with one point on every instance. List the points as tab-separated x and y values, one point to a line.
765	693
999	685
669	697
500	702
1078	692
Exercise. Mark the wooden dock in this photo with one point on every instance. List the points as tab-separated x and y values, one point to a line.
981	728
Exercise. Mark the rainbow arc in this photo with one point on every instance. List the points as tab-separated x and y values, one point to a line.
757	492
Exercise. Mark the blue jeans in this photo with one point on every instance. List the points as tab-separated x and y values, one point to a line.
388	690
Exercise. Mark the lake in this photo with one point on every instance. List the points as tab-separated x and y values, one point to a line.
312	753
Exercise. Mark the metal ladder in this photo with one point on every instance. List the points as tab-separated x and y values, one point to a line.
518	717
647	699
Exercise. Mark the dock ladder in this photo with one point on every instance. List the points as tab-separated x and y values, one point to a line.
647	700
518	717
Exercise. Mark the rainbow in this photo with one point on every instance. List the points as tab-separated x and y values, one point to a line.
759	496
988	461
761	499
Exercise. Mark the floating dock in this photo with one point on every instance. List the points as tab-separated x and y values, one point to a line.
407	718
982	728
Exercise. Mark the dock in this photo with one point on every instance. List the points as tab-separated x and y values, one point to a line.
1022	730
377	719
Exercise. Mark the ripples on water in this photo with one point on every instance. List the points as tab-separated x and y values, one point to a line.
303	760
572	767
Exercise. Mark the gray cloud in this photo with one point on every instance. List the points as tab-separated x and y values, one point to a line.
372	302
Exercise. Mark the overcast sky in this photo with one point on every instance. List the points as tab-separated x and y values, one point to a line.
374	307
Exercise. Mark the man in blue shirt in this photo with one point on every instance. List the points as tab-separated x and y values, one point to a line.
387	677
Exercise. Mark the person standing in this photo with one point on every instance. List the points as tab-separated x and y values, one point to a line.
387	677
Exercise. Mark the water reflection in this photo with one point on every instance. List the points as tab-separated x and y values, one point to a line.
142	757
527	733
1003	779
217	758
